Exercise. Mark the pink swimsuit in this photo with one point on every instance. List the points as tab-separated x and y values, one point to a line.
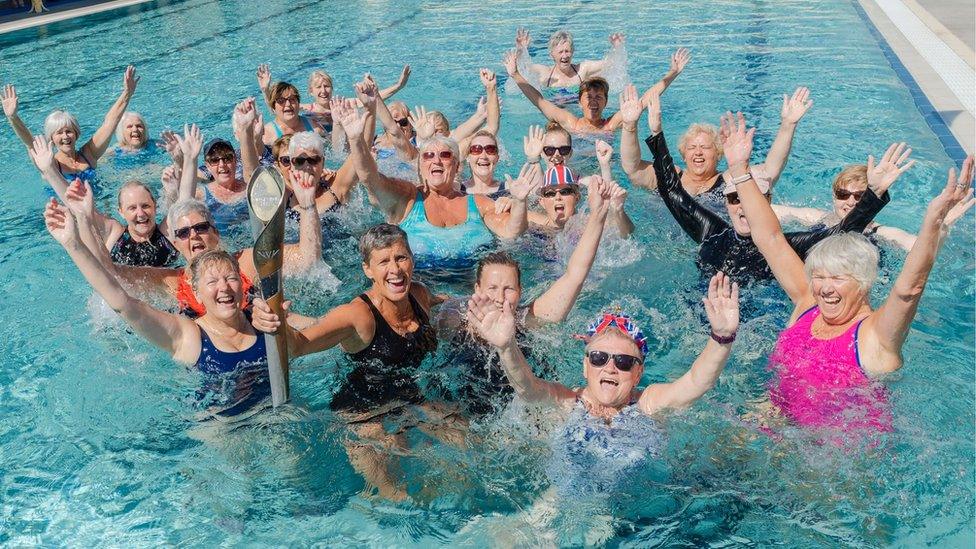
820	383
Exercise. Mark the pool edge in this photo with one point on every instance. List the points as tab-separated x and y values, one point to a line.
47	19
945	115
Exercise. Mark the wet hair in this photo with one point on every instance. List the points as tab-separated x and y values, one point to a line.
559	37
380	237
306	140
281	145
554	127
594	83
184	208
134	183
696	129
855	174
210	258
849	253
438	116
498	258
60	119
280	88
315	76
120	129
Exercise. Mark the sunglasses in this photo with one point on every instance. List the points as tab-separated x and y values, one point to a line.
478	149
564	150
184	232
286	100
565	191
445	155
225	158
402	121
624	363
284	161
300	161
844	194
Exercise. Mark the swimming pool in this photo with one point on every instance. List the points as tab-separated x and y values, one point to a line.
95	426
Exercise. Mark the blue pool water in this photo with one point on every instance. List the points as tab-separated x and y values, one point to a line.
98	440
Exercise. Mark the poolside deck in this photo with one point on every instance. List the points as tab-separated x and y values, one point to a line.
27	20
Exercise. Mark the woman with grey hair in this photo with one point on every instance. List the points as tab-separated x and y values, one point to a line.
446	226
386	333
61	128
306	154
835	345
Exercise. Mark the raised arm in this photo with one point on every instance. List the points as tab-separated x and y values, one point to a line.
767	233
515	221
497	327
640	171
465	129
555	303
301	257
391	196
889	325
565	119
793	110
598	67
191	142
98	143
264	84
382	113
494	116
174	334
10	110
722	309
387	93
679	59
245	122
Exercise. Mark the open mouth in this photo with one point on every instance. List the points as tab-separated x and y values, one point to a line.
830	300
608	383
397	284
225	299
197	247
483	162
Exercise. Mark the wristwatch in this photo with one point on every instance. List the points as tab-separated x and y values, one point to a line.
742	178
723	340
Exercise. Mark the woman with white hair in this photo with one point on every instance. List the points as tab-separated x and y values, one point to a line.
446	227
61	128
560	81
835	345
306	153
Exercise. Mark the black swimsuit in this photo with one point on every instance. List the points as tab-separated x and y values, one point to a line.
385	370
157	251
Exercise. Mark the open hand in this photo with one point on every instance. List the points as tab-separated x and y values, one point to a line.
532	143
404	76
679	59
630	104
522	38
348	116
129	80
738	145
172	146
60	223
894	163
616	39
796	106
494	325
510	62
529	179
955	199
422	123
41	153
9	100
191	142
722	305
264	76
80	200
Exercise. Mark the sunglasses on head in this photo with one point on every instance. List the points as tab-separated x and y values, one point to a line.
300	161
184	232
844	194
284	161
478	149
286	100
564	150
402	121
624	363
218	158
429	155
565	191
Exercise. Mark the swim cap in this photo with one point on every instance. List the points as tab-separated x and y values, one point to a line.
558	176
621	321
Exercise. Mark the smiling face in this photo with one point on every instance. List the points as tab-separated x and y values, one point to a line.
64	139
592	102
196	242
558	205
308	161
399	112
483	164
846	196
222	163
391	270
219	289
500	283
839	297
286	105
138	209
700	154
134	132
607	385
556	140
321	90
437	171
562	54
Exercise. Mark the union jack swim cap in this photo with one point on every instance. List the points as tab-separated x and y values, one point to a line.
622	321
559	176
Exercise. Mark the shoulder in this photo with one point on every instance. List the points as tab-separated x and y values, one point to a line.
423	295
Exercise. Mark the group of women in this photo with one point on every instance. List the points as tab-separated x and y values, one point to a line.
827	361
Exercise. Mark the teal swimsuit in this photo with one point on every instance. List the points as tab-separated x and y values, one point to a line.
452	247
305	121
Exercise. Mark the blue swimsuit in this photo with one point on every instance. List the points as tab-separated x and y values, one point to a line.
234	382
226	215
450	247
305	121
88	175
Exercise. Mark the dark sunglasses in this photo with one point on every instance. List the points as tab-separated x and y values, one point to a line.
286	100
284	161
565	191
184	232
564	150
300	161
445	155
402	121
624	363
844	194
217	159
478	149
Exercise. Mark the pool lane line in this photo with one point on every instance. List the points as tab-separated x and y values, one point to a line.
73	24
932	117
116	70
